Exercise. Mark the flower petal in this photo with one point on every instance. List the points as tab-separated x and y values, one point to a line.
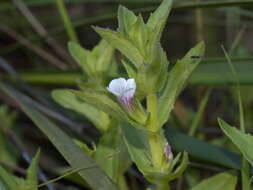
130	88
117	86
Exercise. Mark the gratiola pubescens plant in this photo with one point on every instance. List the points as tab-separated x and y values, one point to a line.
138	105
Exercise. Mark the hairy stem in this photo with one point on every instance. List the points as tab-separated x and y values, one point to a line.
154	138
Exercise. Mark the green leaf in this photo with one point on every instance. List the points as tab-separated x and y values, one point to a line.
31	182
65	145
104	54
138	34
126	19
201	150
111	153
181	168
2	186
7	149
102	101
243	141
171	174
131	71
69	100
94	63
152	76
176	81
85	147
157	20
138	147
159	17
8	180
222	181
118	41
80	56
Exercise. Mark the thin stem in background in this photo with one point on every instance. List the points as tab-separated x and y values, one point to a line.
40	29
245	172
195	124
237	42
42	53
196	121
66	20
199	24
233	20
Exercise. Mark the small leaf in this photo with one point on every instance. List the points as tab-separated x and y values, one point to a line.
176	81
2	186
126	19
138	147
111	153
138	34
104	54
31	182
122	44
102	101
243	141
80	56
181	168
157	20
222	181
85	147
69	100
151	77
131	71
166	176
8	180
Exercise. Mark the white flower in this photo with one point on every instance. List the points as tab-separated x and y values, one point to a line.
124	90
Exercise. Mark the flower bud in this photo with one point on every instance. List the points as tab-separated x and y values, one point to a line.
167	152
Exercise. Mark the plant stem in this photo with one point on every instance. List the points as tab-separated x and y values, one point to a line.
163	186
197	119
245	173
66	20
122	182
152	109
156	149
154	138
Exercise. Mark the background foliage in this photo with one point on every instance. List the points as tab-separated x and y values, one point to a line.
34	60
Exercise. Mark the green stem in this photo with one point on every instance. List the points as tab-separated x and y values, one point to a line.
152	109
122	182
154	138
199	24
245	173
197	119
163	186
66	20
156	149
